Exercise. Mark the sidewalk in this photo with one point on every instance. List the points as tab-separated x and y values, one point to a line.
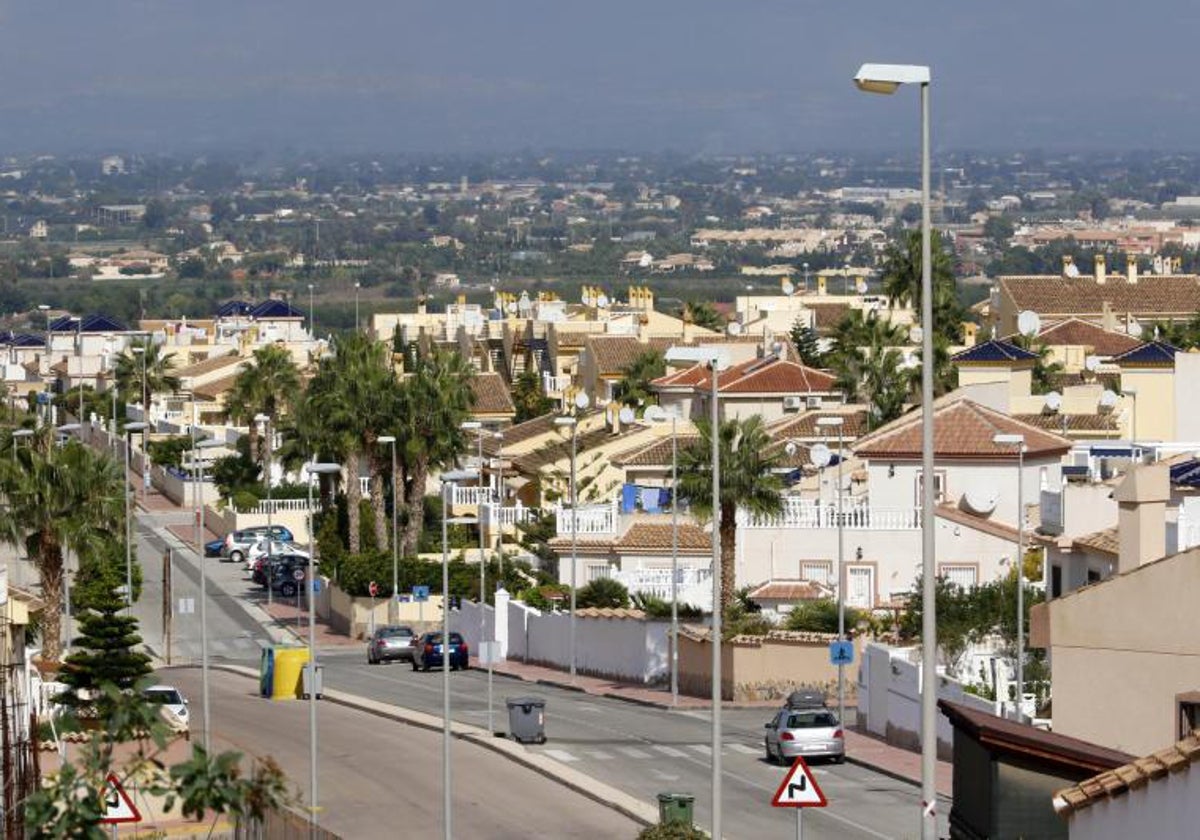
861	748
148	499
285	616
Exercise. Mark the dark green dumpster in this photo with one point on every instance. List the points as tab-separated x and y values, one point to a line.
675	808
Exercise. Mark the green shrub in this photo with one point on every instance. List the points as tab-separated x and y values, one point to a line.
603	592
672	831
537	596
169	452
655	607
244	501
820	616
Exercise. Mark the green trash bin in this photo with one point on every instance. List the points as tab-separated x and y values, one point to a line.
675	808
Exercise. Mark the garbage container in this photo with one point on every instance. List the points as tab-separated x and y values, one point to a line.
675	808
308	686
527	719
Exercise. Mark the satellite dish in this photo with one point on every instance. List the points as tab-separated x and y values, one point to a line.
511	309
602	301
861	286
1072	270
1028	323
777	348
790	448
819	455
733	328
1053	401
1092	363
1134	328
788	287
582	401
626	415
654	414
1108	399
980	498
916	334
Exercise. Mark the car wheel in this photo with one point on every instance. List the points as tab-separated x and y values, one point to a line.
236	557
424	666
770	755
414	664
839	759
370	659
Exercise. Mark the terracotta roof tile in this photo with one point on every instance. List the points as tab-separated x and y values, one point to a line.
1153	295
214	390
558	448
611	612
491	395
1063	423
656	454
789	590
961	429
1106	542
1138	773
768	375
613	353
1075	332
655	536
211	364
804	425
521	432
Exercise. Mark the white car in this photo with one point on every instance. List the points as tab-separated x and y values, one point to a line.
174	705
259	550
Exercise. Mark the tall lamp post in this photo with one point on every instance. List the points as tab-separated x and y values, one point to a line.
313	469
573	425
312	314
265	421
499	438
357	286
477	427
130	428
145	400
66	429
887	78
391	440
449	479
1018	441
204	697
837	423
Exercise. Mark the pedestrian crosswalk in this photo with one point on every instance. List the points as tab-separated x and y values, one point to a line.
643	752
240	647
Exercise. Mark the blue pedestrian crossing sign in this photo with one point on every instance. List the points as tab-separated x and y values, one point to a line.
841	653
420	593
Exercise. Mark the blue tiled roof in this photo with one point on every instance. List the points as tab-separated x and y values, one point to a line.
234	308
996	350
1186	474
95	323
276	309
27	340
1150	353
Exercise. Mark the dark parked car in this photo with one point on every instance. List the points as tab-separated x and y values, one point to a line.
212	548
281	574
427	652
390	643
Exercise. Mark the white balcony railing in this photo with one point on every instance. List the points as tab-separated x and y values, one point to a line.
278	505
471	496
555	384
657	582
807	513
590	520
495	516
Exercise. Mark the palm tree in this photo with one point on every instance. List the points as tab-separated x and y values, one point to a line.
146	373
702	314
434	401
67	497
902	281
269	386
868	366
634	387
748	480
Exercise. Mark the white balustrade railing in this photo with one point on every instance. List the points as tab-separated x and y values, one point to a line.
472	496
808	513
495	516
589	519
657	582
555	384
275	506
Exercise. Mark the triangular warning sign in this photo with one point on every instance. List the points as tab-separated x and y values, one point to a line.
799	789
118	807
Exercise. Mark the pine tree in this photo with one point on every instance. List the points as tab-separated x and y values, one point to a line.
105	655
807	347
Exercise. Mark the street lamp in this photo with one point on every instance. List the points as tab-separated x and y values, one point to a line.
66	428
145	400
887	78
716	361
499	438
570	422
449	479
204	444
656	414
129	429
312	314
357	286
45	310
313	468
477	427
265	421
1018	441
391	439
838	423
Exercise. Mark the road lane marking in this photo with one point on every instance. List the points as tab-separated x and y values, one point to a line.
703	749
743	749
600	755
666	777
633	752
670	752
560	755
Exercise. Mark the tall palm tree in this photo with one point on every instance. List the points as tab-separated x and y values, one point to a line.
748	480
145	373
902	281
434	401
269	386
868	366
634	387
67	497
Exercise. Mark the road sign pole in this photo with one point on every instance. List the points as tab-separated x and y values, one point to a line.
799	824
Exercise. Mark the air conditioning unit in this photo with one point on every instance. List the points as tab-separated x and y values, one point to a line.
813	402
793	403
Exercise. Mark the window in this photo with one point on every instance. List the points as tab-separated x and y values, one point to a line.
1189	713
595	571
964	577
818	571
939	487
1056	581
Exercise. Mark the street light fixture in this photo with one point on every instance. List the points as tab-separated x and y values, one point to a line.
357	286
1018	441
391	439
313	468
204	696
838	423
130	428
887	78
449	479
265	421
66	428
573	425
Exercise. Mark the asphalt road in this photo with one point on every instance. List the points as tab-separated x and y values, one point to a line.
381	779
640	750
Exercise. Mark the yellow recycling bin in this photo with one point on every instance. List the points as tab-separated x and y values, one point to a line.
287	672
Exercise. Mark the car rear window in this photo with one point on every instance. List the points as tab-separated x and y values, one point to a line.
392	632
455	638
811	720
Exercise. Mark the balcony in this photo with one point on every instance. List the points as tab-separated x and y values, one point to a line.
590	520
495	516
692	585
471	496
809	514
555	385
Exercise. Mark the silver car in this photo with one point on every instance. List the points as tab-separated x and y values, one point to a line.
809	733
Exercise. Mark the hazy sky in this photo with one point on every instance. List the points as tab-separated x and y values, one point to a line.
694	75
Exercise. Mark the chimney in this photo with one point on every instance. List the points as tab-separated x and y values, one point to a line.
821	284
1068	263
1101	269
1107	319
1131	269
1142	515
689	331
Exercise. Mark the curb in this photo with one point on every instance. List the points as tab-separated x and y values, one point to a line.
597	791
